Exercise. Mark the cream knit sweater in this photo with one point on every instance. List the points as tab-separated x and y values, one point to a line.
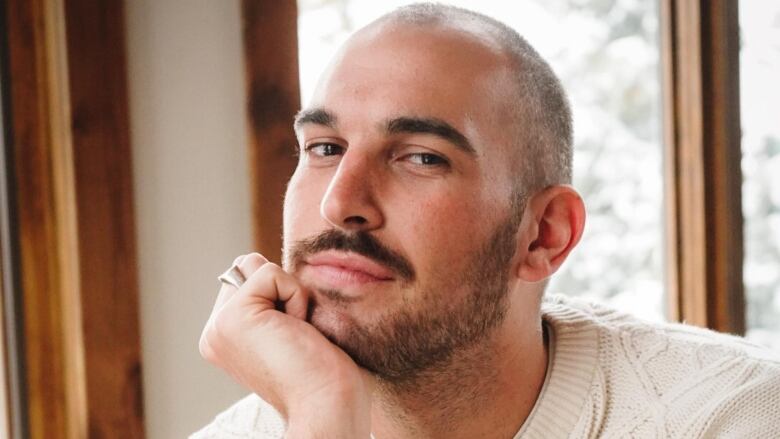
613	376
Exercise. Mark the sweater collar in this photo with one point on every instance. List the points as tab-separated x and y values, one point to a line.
573	348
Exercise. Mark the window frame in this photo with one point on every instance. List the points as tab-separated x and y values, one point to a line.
270	39
703	198
71	206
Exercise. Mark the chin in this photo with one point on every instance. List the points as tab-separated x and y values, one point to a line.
335	323
338	325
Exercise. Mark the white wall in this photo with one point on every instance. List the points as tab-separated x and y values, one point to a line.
192	197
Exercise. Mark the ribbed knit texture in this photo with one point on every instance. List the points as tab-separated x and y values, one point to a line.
613	376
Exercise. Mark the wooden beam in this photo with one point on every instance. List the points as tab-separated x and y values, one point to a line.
75	218
14	405
106	219
271	57
700	48
5	400
48	244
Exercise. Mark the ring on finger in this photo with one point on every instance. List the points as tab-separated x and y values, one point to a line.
233	276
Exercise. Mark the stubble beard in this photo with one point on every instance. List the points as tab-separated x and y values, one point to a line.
424	336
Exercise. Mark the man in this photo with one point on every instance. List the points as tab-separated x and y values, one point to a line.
429	207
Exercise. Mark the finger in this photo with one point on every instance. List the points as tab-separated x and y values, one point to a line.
250	263
246	264
226	290
271	284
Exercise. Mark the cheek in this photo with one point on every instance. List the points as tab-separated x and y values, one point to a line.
301	209
449	213
445	231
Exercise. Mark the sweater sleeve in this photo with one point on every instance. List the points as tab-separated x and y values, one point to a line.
249	418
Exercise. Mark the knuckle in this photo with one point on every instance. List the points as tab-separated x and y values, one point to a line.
253	259
271	268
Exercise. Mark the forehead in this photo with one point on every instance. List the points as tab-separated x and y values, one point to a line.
395	70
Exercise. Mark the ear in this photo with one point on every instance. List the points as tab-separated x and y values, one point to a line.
552	225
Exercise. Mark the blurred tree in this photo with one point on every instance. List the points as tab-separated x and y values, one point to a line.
759	70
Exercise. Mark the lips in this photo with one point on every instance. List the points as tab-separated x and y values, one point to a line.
341	269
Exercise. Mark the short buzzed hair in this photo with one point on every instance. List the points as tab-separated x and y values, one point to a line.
542	117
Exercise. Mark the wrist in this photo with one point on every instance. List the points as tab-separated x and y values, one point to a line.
343	412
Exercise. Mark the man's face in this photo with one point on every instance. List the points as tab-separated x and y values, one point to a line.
397	217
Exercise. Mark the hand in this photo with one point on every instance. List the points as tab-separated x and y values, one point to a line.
283	358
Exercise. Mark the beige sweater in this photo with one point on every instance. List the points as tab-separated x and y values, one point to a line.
613	376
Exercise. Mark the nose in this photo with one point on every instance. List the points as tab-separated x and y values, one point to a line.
349	203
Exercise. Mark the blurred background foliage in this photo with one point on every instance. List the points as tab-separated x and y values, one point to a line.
760	107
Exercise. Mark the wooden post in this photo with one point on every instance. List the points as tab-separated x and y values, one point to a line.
106	219
703	190
271	56
46	219
71	159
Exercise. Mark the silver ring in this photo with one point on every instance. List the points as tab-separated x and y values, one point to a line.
233	276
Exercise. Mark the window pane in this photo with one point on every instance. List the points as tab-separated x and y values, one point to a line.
606	54
760	95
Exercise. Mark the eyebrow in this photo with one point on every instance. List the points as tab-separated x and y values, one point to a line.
398	125
317	116
433	126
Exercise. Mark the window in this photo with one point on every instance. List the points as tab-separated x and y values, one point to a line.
760	107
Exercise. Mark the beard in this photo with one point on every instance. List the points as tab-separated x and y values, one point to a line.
424	335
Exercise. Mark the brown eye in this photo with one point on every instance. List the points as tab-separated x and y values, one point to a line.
325	149
426	159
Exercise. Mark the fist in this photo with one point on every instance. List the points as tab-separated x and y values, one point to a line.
259	335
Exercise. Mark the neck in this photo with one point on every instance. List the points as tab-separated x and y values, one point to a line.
487	390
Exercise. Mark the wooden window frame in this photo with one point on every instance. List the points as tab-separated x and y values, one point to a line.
700	56
72	208
270	37
11	395
14	411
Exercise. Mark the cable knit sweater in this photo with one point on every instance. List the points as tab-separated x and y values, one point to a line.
613	376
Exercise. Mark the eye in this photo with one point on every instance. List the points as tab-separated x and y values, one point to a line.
426	159
324	149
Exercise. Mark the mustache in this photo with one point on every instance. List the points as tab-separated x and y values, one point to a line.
359	242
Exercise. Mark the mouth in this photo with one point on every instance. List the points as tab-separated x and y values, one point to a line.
337	269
